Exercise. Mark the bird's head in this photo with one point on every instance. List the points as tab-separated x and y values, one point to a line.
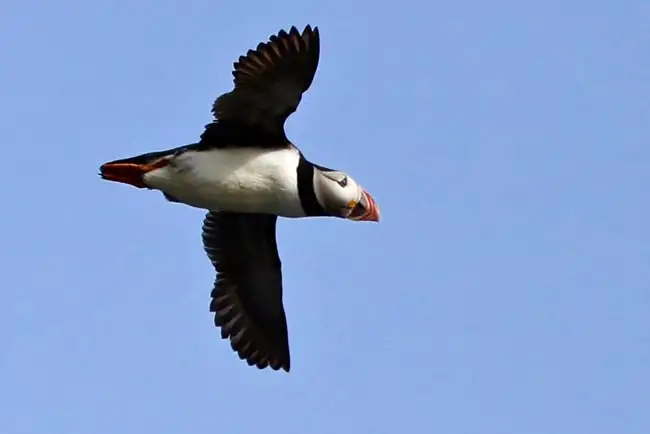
341	196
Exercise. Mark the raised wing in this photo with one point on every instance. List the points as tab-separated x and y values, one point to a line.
270	80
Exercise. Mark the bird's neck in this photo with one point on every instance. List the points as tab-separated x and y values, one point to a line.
306	190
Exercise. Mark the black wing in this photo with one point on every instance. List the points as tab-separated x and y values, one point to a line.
247	295
270	81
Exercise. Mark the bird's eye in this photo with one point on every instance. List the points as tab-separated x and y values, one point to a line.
343	182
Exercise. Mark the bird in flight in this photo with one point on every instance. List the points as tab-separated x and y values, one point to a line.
246	173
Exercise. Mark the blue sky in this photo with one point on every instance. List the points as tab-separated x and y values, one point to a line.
506	290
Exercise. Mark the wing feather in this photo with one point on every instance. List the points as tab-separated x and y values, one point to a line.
270	80
247	294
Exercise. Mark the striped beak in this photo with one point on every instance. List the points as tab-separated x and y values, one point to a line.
366	209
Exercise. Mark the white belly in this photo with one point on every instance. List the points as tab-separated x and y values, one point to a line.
235	179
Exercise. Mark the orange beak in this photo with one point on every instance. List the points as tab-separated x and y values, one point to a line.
366	209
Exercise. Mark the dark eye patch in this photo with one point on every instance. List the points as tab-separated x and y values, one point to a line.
343	182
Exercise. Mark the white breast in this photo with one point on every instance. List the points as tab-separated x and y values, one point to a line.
233	179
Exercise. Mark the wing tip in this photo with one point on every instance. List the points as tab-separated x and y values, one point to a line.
292	53
262	356
244	341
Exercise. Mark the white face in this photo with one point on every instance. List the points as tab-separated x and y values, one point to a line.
337	192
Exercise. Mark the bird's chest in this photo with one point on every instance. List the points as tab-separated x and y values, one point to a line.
238	181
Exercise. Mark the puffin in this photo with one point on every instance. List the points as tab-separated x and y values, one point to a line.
246	173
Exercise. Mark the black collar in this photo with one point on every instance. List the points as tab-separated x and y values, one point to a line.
306	193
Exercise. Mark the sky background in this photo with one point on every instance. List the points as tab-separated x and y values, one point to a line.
506	291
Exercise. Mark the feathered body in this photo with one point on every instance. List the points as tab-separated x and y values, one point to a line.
246	173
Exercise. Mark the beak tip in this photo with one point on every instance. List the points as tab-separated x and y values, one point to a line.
372	213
